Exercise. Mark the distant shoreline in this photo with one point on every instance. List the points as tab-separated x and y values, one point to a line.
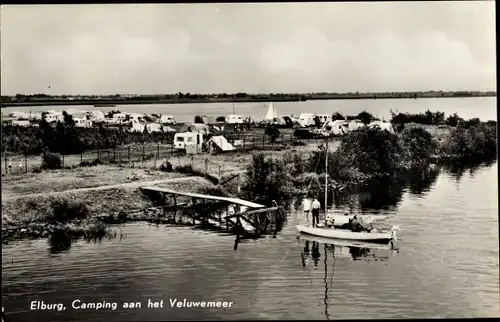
233	98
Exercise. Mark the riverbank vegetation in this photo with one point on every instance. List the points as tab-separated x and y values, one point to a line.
368	154
44	99
65	138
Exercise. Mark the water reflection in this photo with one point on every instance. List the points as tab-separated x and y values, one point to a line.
458	169
334	248
61	242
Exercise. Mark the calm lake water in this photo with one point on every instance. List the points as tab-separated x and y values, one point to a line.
482	107
447	264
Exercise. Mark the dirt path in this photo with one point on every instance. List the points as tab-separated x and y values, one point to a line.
135	184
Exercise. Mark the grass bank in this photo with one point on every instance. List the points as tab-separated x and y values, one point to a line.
74	202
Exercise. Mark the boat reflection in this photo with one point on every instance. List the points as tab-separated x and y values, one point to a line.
339	249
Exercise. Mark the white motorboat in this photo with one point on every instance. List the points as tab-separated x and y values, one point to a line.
374	237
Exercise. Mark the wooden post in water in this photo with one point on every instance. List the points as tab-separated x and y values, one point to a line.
194	212
175	206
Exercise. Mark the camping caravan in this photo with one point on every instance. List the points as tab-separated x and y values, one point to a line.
137	127
167	119
337	127
188	141
382	126
82	122
306	119
235	119
355	125
323	118
97	116
49	118
153	127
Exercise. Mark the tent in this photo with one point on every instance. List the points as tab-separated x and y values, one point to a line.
137	127
271	113
355	125
337	127
195	127
382	126
219	143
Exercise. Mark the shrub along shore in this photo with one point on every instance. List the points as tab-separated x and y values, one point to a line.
361	156
366	155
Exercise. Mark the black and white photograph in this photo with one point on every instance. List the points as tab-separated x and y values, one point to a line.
249	161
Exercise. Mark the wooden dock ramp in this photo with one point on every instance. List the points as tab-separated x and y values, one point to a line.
235	201
240	219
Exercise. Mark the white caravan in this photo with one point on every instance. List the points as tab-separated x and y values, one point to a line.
183	141
323	118
235	119
167	119
337	127
307	119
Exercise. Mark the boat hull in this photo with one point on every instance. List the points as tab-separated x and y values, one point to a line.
344	234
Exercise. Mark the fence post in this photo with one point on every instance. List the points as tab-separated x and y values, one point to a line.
81	157
120	158
158	151
206	166
143	153
109	158
25	162
129	159
114	154
220	173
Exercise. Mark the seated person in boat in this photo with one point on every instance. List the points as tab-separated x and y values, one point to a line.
357	225
329	221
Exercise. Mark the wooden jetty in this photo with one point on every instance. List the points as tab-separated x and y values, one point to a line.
247	218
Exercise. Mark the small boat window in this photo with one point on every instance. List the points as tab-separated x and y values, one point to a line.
180	139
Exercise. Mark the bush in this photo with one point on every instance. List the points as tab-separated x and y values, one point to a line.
428	118
268	179
272	132
454	120
471	142
64	210
337	116
51	161
420	146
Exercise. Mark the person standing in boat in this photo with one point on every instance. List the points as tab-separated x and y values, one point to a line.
315	212
307	207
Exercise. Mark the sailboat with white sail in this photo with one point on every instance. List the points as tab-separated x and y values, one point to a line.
376	236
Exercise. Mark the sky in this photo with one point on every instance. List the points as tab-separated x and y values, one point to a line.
252	48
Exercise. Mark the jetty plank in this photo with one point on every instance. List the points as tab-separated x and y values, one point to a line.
236	201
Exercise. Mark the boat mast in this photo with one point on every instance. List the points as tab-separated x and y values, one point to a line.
326	175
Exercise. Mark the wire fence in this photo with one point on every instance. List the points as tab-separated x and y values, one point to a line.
151	155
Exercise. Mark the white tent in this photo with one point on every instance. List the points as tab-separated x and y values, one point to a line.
338	127
221	143
381	125
271	112
355	125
